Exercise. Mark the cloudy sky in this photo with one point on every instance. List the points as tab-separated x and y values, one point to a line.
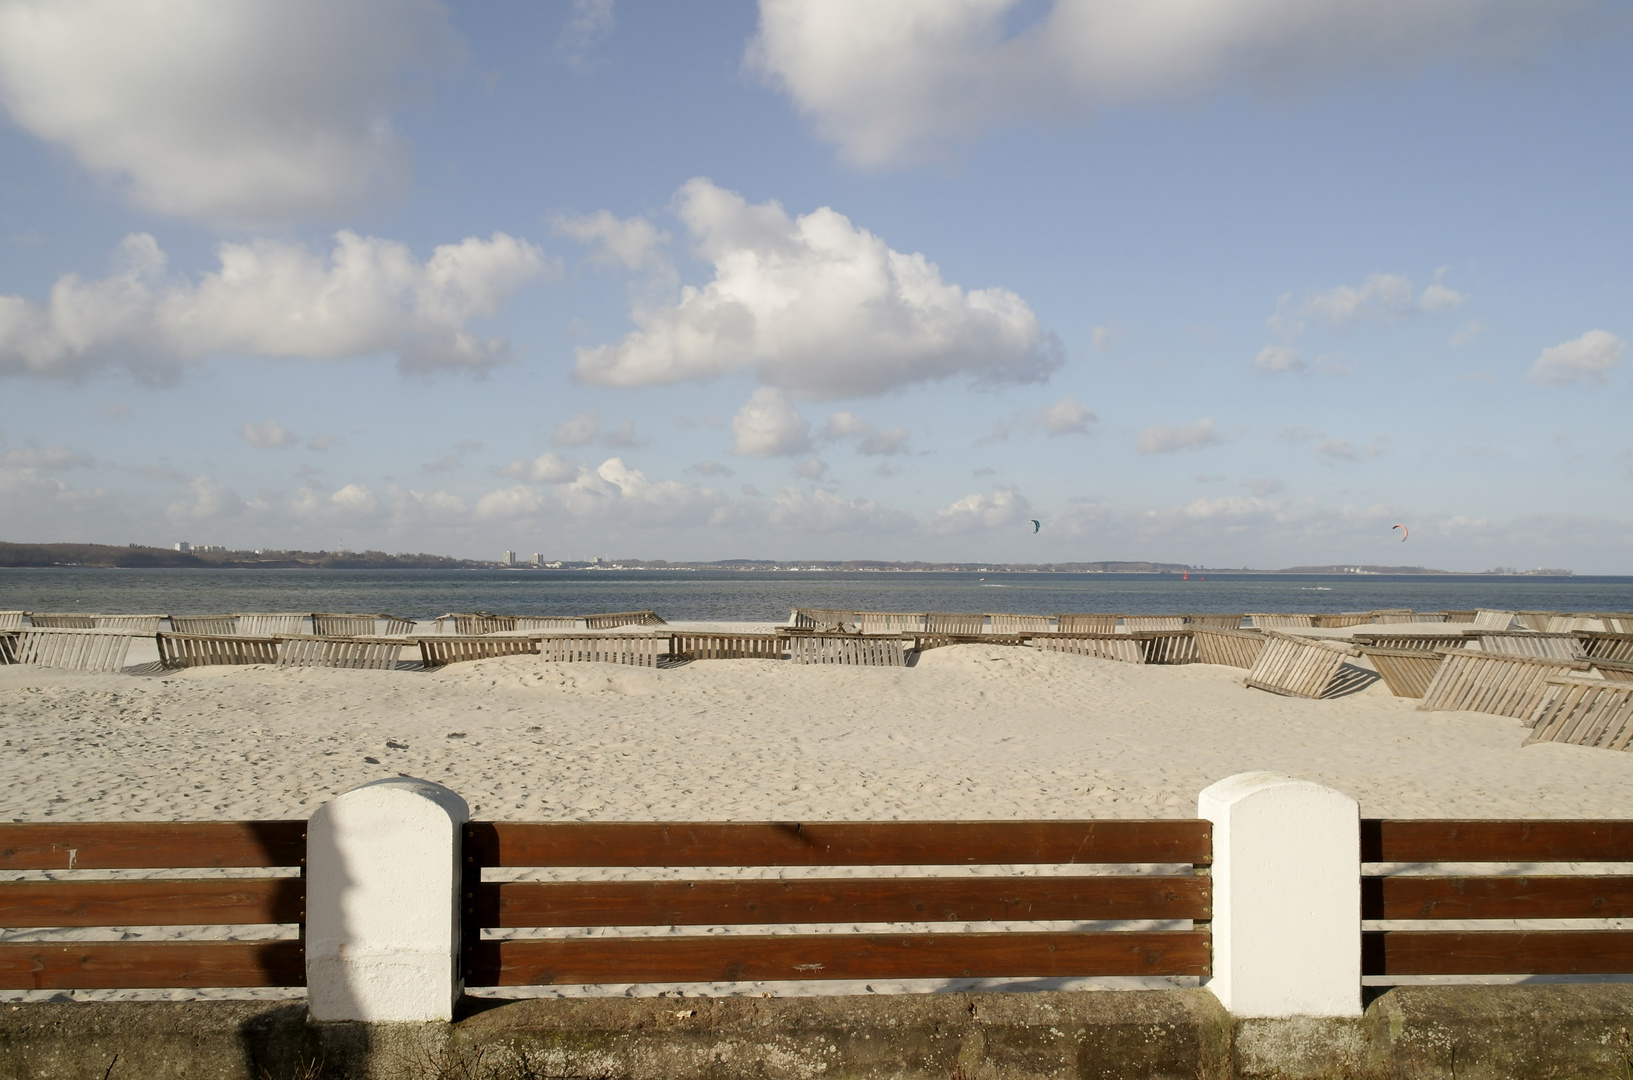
1240	282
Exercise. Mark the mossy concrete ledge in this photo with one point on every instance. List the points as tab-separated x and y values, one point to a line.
1467	1033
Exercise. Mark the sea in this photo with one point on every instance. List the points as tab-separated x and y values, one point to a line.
767	596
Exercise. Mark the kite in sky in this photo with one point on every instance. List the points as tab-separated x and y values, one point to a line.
1405	532
1036	525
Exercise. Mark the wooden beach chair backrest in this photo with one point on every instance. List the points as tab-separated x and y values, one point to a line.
439	649
734	896
268	623
1086	624
209	650
1131	623
850	649
638	650
1230	648
694	646
1297	667
340	625
942	622
63	620
209	625
372	654
1497	683
1270	620
1019	624
1551	646
1489	619
614	619
1585	712
136	624
77	649
1128	649
1407	672
12	620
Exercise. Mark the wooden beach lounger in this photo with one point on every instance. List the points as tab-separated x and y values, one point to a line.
1407	672
639	650
437	650
374	654
207	650
1086	624
687	646
1497	683
850	649
1130	650
1020	624
1585	712
1297	667
209	625
81	650
1230	648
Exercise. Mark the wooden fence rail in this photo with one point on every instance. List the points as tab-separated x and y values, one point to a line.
1547	646
850	649
80	650
1106	646
1167	646
613	620
376	654
206	625
1494	682
637	650
907	953
437	650
1607	646
1232	648
1407	672
77	902
690	646
1585	712
1086	624
343	625
202	650
12	620
1297	667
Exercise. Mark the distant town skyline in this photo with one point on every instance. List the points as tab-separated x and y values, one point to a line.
817	278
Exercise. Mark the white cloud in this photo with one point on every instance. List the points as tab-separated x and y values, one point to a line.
811	469
908	81
1068	416
1332	451
206	499
1166	438
1589	358
819	511
710	468
45	459
632	243
578	431
268	434
869	439
769	426
1275	359
1468	335
1296	433
978	512
591	22
1379	298
255	111
547	468
272	298
819	307
624	437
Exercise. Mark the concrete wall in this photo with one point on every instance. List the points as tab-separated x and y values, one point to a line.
1466	1033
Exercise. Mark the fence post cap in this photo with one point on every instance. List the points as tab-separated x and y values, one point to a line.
448	799
1244	784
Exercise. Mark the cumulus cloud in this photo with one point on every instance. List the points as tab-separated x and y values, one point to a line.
1067	416
819	511
1590	358
1276	359
589	24
811	469
45	459
869	439
268	434
910	81
1379	298
272	298
630	243
578	431
547	468
710	468
206	499
250	112
769	426
819	307
1167	438
978	512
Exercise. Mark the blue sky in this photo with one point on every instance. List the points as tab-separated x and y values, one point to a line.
1240	283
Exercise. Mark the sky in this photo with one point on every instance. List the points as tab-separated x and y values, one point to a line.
1225	283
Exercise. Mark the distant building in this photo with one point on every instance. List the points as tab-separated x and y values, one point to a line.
595	560
509	559
538	560
182	545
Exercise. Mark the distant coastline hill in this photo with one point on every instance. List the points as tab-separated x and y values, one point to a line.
136	556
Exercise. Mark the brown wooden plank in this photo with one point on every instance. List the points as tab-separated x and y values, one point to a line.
1579	897
1496	841
752	958
849	900
222	901
881	843
1497	952
124	845
122	965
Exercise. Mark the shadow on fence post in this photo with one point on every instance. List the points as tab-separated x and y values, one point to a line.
1286	897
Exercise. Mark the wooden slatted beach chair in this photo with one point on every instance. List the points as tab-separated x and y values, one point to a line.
8	646
393	626
206	625
1617	623
1489	619
475	623
268	623
136	624
613	620
1230	648
1568	624
438	650
62	620
1086	624
373	654
1132	623
12	620
1020	624
1585	712
1297	667
1342	619
1614	670
1130	650
1424	642
1168	646
1497	683
1407	672
1215	622
1607	645
941	622
329	624
74	648
1270	620
1535	620
638	650
1550	646
208	650
692	646
888	622
549	623
850	649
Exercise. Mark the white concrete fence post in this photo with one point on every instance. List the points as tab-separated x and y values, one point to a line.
1286	896
382	903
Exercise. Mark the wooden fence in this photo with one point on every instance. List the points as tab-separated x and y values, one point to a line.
437	650
1261	620
689	646
908	953
1585	712
81	650
1407	672
8	646
1132	623
1297	667
135	624
474	623
342	625
203	650
1494	682
1167	646
1231	648
375	654
1343	619
851	649
1488	619
195	901
12	620
1019	624
615	619
830	619
1086	624
1547	646
51	620
1130	650
1215	622
1607	646
1431	642
637	650
885	622
942	622
206	625
1418	897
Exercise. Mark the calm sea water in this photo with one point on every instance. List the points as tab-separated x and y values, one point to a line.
762	596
